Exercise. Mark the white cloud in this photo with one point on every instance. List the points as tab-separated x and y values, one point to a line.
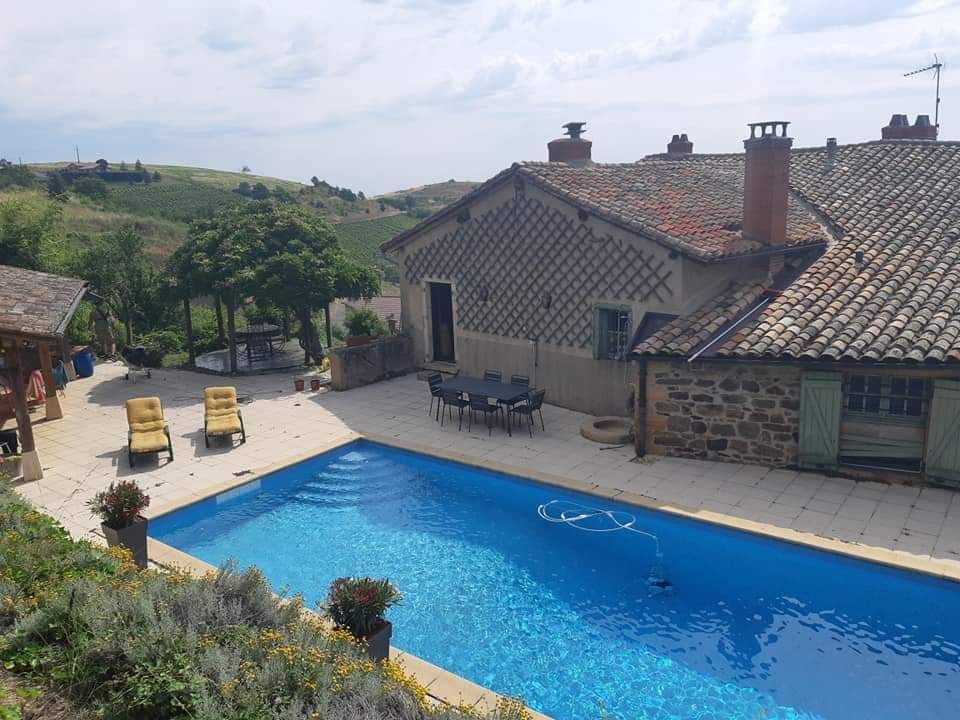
398	92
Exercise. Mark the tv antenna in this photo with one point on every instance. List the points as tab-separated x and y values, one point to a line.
937	66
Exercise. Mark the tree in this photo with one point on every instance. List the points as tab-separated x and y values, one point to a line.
245	169
16	176
119	272
91	187
279	253
315	180
56	188
102	165
147	178
29	231
156	176
123	166
138	166
360	195
365	322
243	188
260	192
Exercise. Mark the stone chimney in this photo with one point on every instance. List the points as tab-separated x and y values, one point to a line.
679	145
766	178
901	129
572	149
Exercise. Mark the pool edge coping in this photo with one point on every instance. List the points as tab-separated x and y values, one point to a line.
453	683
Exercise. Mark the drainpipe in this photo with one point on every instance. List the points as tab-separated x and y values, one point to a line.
640	410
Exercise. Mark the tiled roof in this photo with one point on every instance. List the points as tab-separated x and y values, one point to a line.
696	207
897	203
384	306
36	303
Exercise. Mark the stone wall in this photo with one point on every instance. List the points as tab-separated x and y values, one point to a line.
738	412
380	359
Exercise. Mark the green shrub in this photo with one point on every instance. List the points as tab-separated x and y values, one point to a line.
159	344
365	322
128	644
205	333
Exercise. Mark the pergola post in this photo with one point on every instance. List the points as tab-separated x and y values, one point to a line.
67	360
326	321
30	461
188	322
53	409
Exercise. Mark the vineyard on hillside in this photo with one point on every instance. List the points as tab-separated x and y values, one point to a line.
362	240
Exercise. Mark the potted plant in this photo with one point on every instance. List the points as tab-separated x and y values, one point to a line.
363	327
10	466
119	508
298	384
314	383
358	606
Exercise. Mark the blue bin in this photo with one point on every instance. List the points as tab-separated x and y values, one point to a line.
83	363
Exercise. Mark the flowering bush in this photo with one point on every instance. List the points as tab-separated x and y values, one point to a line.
120	504
358	604
9	466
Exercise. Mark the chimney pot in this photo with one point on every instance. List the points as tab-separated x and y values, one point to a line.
901	129
571	149
679	145
766	179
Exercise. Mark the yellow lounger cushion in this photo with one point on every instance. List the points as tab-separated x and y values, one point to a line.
225	424
145	415
145	442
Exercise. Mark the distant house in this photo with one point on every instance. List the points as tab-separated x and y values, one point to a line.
792	307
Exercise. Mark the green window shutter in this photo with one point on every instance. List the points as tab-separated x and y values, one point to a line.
820	402
943	435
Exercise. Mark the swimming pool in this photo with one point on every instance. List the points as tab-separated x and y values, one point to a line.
751	627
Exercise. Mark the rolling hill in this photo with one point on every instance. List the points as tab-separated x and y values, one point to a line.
162	211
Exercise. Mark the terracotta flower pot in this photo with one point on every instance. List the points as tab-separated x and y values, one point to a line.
314	383
298	384
133	537
378	642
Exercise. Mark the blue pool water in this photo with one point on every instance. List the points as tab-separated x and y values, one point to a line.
751	629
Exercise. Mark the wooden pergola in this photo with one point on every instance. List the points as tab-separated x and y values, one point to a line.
35	309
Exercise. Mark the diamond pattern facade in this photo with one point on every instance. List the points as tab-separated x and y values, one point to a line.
525	269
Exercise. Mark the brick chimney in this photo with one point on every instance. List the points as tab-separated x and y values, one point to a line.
901	129
679	145
766	178
572	149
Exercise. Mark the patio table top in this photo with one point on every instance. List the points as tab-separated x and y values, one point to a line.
504	392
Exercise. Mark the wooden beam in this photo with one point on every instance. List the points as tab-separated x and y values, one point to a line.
67	360
30	463
54	411
326	321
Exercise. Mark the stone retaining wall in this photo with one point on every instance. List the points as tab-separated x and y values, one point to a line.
738	412
379	359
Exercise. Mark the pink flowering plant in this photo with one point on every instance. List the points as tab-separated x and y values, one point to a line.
358	604
120	504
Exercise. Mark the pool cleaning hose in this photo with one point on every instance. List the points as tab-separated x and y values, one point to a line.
575	515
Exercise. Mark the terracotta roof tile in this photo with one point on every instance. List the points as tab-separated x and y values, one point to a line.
897	202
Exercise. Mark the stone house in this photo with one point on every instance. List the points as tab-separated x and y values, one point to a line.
553	269
786	306
848	363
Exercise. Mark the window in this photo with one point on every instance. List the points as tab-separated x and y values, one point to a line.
612	333
886	396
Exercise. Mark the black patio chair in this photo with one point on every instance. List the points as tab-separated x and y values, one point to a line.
493	375
453	399
533	405
520	380
516	380
482	405
434	380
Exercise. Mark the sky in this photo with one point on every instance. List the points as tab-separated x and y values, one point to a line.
379	95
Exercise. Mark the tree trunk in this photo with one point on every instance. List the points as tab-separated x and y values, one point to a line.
232	335
313	351
326	320
31	468
188	323
219	311
128	323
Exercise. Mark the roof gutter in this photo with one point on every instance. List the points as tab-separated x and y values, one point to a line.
733	326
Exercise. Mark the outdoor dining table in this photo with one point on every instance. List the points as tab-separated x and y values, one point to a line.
262	332
506	393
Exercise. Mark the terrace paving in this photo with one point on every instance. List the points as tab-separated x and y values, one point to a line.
86	450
